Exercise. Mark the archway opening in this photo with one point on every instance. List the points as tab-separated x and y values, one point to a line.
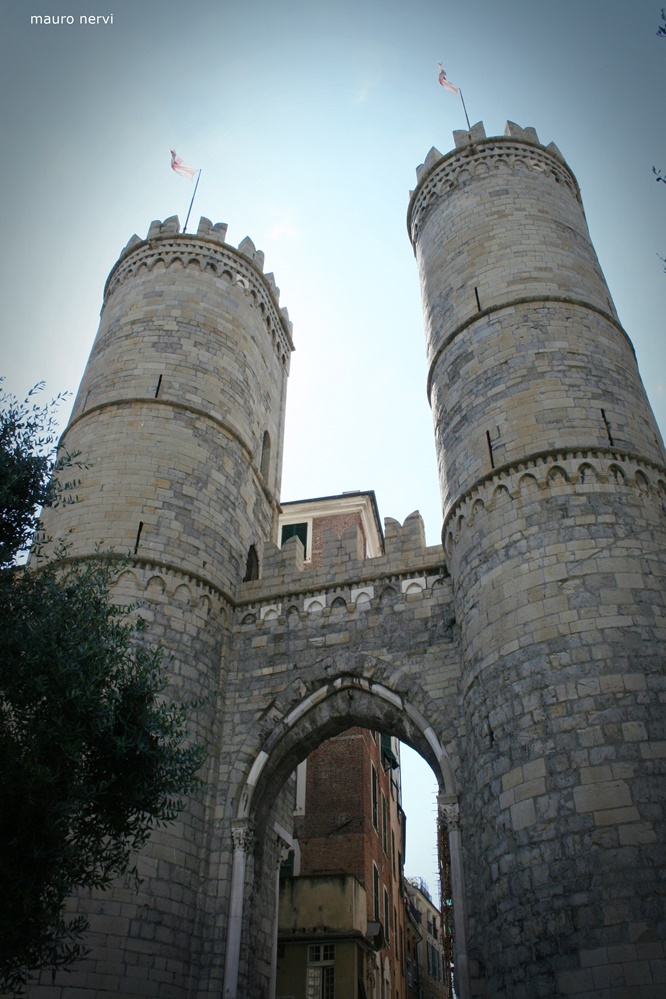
274	801
358	910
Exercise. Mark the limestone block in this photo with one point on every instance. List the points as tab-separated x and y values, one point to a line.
205	226
219	232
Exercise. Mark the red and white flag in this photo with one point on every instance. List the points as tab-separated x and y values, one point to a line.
444	82
182	168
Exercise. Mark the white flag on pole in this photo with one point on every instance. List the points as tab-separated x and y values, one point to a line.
181	168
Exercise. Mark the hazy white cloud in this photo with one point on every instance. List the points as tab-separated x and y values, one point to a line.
369	84
283	230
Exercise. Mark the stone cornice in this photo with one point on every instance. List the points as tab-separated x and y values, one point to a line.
301	589
548	461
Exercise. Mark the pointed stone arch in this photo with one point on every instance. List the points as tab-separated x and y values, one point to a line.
344	702
557	476
156	587
388	595
528	485
642	482
478	506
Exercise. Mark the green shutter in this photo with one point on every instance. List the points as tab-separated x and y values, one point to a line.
301	532
388	755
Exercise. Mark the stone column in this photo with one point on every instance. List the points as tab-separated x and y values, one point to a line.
282	852
243	841
449	811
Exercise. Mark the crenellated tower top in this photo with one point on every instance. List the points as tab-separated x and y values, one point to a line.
519	148
208	250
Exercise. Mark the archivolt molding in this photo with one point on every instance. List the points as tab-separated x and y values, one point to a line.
479	160
349	685
570	470
222	262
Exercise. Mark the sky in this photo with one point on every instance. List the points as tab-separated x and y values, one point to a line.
308	119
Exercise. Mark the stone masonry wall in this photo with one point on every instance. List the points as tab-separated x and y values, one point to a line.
563	623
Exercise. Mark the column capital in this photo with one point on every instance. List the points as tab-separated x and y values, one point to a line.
449	811
242	835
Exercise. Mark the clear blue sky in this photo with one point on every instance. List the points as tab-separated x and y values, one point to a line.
308	120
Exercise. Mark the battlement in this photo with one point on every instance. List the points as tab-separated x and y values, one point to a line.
407	567
217	232
207	249
476	134
517	147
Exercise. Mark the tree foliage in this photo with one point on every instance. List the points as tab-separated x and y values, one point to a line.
93	757
28	461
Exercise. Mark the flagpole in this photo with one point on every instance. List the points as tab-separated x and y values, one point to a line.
469	127
454	90
192	201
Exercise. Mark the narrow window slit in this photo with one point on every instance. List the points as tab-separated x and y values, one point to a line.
159	385
265	455
608	429
138	537
478	300
490	449
252	565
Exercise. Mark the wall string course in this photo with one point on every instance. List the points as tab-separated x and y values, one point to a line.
498	307
187	408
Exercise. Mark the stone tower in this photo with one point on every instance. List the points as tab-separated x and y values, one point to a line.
180	421
554	495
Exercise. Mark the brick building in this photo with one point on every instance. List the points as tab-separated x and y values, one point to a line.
351	828
413	934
